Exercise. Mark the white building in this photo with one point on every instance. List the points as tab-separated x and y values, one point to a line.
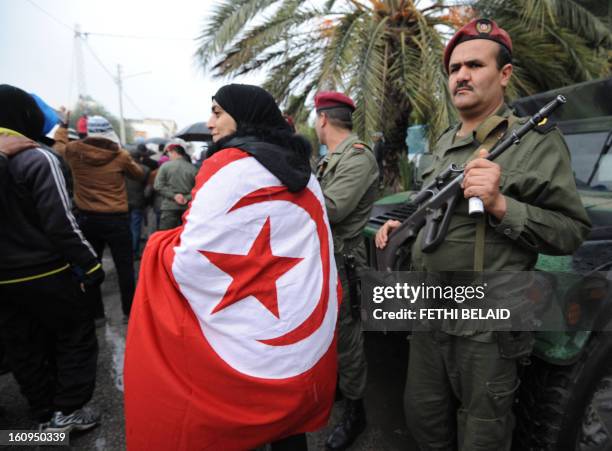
153	128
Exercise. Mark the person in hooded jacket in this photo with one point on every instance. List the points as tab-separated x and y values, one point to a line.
47	331
99	166
9	146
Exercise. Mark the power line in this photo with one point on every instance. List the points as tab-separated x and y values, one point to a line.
109	35
51	15
127	36
83	35
110	74
133	104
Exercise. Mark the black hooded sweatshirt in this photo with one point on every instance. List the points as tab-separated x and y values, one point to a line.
38	232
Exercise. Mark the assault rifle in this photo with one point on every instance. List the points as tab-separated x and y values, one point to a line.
437	200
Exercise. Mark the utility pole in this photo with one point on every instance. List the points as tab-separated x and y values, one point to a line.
121	120
80	67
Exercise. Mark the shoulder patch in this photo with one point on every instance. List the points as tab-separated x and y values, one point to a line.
545	126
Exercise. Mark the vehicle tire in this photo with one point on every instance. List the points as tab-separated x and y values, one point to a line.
567	407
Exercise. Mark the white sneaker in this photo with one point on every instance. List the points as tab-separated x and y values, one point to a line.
79	420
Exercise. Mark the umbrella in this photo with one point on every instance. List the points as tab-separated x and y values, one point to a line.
195	132
157	141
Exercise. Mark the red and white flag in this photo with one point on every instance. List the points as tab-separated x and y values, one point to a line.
231	341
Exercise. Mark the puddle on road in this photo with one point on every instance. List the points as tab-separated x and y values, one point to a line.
100	444
116	340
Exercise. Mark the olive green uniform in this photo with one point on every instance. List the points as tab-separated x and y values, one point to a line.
348	178
174	177
459	378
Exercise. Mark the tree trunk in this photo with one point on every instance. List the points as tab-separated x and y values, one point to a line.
396	125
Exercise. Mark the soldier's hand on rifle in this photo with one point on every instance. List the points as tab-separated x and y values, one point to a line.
481	180
382	236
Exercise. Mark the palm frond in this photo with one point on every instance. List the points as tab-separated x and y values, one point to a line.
340	49
226	22
367	86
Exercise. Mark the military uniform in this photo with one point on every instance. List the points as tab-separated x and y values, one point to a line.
544	215
348	178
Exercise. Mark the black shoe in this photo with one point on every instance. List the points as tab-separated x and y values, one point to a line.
352	424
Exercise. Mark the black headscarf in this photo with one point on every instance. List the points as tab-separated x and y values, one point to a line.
19	112
263	132
250	106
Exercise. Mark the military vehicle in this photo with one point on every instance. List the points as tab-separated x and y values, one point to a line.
565	398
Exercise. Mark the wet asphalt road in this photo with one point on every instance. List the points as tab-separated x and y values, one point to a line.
387	359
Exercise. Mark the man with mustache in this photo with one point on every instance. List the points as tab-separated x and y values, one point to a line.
461	381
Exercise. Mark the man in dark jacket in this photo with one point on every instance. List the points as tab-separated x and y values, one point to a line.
9	146
44	264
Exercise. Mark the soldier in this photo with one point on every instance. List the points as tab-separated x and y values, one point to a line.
348	175
469	378
174	183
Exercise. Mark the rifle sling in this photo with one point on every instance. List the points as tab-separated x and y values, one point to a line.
488	134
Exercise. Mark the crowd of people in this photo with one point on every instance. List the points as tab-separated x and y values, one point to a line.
64	200
244	326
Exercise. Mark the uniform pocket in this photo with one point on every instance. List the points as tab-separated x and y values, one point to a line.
501	389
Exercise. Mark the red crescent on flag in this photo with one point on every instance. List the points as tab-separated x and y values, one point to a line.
311	205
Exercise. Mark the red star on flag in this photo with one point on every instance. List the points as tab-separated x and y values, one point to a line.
254	274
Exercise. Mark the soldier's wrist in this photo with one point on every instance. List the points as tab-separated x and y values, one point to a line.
499	207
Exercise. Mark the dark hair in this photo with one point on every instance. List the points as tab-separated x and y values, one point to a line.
503	56
20	112
339	117
178	149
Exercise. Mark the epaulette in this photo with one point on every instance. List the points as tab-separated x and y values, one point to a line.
359	146
545	126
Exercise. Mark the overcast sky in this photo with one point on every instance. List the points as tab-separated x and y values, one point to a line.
37	54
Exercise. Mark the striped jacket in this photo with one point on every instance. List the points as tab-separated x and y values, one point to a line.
38	232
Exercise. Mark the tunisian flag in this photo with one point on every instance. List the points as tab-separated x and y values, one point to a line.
231	340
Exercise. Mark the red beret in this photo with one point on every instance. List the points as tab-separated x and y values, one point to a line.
331	99
477	29
174	147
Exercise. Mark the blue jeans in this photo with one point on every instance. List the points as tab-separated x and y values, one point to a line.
136	216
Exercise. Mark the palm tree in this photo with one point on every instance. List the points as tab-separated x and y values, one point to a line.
386	54
555	42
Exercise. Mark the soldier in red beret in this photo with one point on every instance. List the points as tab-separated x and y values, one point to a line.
348	175
462	379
